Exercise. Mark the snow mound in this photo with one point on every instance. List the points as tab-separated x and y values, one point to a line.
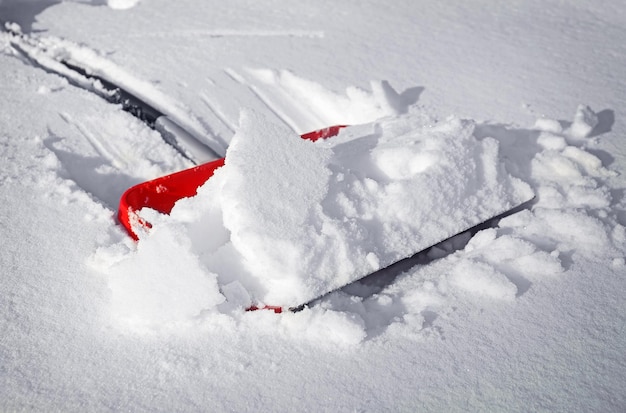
151	288
288	220
570	219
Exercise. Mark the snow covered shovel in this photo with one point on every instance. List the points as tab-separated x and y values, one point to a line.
162	193
287	220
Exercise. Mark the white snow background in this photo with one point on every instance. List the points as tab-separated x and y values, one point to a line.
528	315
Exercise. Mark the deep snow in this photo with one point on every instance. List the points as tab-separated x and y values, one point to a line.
524	316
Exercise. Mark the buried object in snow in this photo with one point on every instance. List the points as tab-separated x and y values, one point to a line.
162	193
282	221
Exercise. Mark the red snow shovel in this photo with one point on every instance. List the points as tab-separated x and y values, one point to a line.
162	193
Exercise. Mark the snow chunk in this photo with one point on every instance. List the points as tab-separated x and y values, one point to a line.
585	120
481	239
162	282
483	279
552	126
328	326
566	179
549	140
516	258
122	4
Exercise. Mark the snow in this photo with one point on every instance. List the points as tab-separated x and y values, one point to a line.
296	219
122	4
525	314
164	289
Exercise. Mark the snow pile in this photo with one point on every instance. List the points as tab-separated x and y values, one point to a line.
572	216
177	287
502	266
288	220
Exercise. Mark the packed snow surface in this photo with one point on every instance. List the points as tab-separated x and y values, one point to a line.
523	314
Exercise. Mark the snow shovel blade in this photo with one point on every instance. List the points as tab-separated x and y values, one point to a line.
386	275
389	273
162	193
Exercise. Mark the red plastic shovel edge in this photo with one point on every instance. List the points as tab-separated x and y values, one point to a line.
162	193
